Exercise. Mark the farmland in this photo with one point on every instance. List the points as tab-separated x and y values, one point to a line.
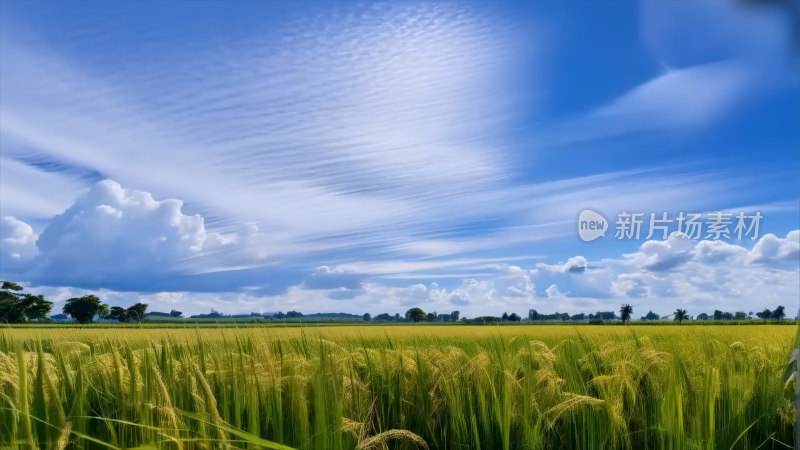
373	387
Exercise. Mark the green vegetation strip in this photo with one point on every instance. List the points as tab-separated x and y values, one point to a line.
398	387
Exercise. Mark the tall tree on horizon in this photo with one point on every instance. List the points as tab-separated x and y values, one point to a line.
137	311
765	314
83	309
415	314
625	312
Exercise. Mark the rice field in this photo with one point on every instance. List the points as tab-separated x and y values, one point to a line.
398	387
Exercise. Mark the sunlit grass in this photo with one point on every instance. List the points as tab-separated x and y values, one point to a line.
445	387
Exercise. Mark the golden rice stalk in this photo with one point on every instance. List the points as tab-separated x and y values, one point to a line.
351	426
379	440
63	437
211	404
168	409
573	401
72	347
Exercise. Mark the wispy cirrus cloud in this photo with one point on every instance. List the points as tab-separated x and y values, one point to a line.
54	191
682	99
368	146
365	123
369	136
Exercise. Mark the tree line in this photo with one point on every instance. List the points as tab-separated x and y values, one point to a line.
19	307
625	316
679	315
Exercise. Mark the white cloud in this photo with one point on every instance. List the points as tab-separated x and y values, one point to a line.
718	252
380	148
367	137
658	256
575	264
472	291
126	240
325	277
113	236
374	119
705	274
678	250
682	272
678	99
577	275
110	223
552	292
697	275
17	243
772	249
630	285
53	193
514	282
715	55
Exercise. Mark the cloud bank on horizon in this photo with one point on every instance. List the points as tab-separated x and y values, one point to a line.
343	157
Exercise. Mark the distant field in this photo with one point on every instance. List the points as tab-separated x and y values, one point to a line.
160	322
373	387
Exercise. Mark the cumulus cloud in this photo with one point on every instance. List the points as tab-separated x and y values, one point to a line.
17	243
576	264
718	251
709	272
471	291
112	233
630	285
514	281
678	250
658	256
125	240
710	275
576	277
117	237
772	249
690	272
553	292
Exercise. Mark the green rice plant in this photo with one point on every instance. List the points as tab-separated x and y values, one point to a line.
648	387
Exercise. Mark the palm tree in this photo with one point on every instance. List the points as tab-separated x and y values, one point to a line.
681	315
625	312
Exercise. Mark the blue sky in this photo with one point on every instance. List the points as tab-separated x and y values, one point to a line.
341	156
